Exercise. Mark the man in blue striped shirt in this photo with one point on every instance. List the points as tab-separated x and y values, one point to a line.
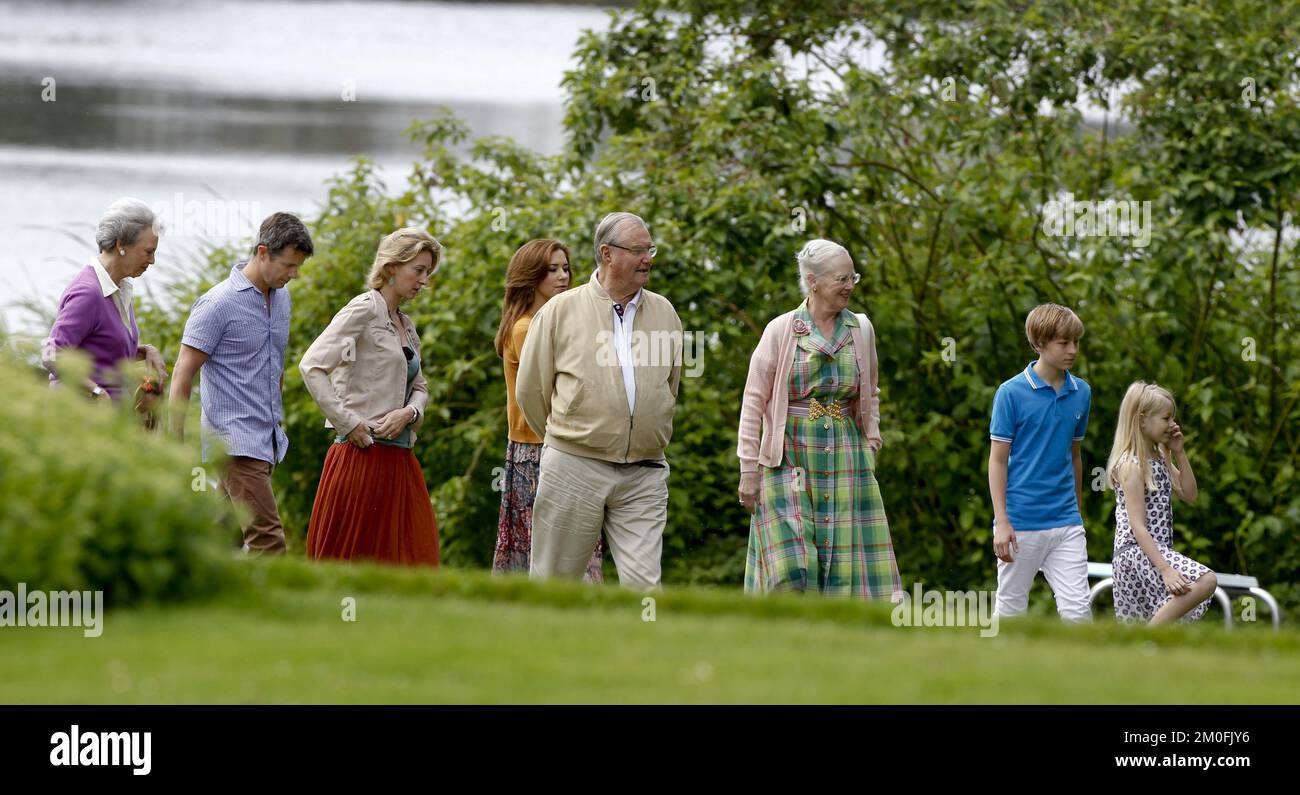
237	335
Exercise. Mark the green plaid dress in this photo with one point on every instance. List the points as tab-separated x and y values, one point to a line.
820	521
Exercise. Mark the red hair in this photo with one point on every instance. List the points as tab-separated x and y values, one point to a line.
527	268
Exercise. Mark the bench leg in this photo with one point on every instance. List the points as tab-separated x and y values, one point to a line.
1100	588
1274	610
1226	604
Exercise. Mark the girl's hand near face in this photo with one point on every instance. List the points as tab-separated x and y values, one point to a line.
1175	438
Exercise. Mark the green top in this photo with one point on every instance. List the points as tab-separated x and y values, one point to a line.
402	439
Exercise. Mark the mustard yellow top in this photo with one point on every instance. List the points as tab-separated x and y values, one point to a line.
519	430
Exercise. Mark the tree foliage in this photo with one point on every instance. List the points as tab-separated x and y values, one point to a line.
928	137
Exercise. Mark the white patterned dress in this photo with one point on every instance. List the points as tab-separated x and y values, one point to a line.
1139	589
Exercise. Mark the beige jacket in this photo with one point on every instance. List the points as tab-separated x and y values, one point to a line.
570	384
356	371
766	401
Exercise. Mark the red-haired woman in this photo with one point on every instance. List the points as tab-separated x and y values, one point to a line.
537	272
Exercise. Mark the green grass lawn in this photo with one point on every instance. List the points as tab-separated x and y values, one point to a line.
465	637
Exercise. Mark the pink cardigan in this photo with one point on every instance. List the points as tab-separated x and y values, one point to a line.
766	399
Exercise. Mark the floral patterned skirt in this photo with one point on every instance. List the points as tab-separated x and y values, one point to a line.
515	521
1140	591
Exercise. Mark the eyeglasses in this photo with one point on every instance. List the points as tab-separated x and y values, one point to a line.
840	281
637	251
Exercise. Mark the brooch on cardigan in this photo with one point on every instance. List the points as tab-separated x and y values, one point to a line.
800	327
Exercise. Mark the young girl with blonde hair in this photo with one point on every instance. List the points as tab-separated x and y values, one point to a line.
1148	464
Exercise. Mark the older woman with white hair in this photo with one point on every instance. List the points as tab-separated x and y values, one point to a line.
364	373
96	313
809	434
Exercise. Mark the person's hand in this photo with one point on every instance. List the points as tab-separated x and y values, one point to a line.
156	363
1175	583
360	436
749	490
1175	438
1005	545
145	401
393	423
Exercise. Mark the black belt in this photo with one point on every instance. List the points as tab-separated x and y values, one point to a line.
646	463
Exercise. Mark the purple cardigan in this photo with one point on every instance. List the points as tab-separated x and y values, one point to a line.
88	320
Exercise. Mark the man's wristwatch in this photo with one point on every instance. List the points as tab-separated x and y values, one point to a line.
98	391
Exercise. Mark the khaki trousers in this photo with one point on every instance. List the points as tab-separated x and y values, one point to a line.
247	482
578	498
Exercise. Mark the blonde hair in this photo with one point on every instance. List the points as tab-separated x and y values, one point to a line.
1048	322
1132	447
400	248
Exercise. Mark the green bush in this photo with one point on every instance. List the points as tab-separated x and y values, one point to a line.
91	501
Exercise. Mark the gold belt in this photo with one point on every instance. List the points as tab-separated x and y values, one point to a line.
835	410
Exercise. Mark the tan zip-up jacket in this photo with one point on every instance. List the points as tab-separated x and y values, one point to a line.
570	384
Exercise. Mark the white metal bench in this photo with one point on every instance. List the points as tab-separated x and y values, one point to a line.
1234	584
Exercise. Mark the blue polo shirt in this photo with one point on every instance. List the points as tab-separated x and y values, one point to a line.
1042	425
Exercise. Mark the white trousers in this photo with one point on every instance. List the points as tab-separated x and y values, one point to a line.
1061	554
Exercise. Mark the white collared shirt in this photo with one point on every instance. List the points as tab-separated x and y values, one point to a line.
121	293
623	347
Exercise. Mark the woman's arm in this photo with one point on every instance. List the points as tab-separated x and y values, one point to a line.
753	404
336	345
872	431
419	395
74	322
154	358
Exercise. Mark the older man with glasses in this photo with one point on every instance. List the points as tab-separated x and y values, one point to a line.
598	380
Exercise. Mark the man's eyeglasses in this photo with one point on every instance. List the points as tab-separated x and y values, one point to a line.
637	251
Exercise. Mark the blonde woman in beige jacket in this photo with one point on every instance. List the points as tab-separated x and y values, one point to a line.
364	373
807	443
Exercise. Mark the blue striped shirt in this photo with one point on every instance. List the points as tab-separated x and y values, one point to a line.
240	382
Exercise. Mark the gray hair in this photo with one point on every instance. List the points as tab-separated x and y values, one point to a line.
814	257
609	227
123	223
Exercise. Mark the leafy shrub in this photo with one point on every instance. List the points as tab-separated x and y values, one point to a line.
91	501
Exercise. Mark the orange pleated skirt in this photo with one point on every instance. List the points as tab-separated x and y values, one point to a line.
372	504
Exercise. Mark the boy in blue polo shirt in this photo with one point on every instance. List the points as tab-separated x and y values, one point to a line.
1036	471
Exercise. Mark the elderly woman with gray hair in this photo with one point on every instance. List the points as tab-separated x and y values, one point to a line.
809	434
96	314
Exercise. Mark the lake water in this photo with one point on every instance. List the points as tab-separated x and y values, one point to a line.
247	106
